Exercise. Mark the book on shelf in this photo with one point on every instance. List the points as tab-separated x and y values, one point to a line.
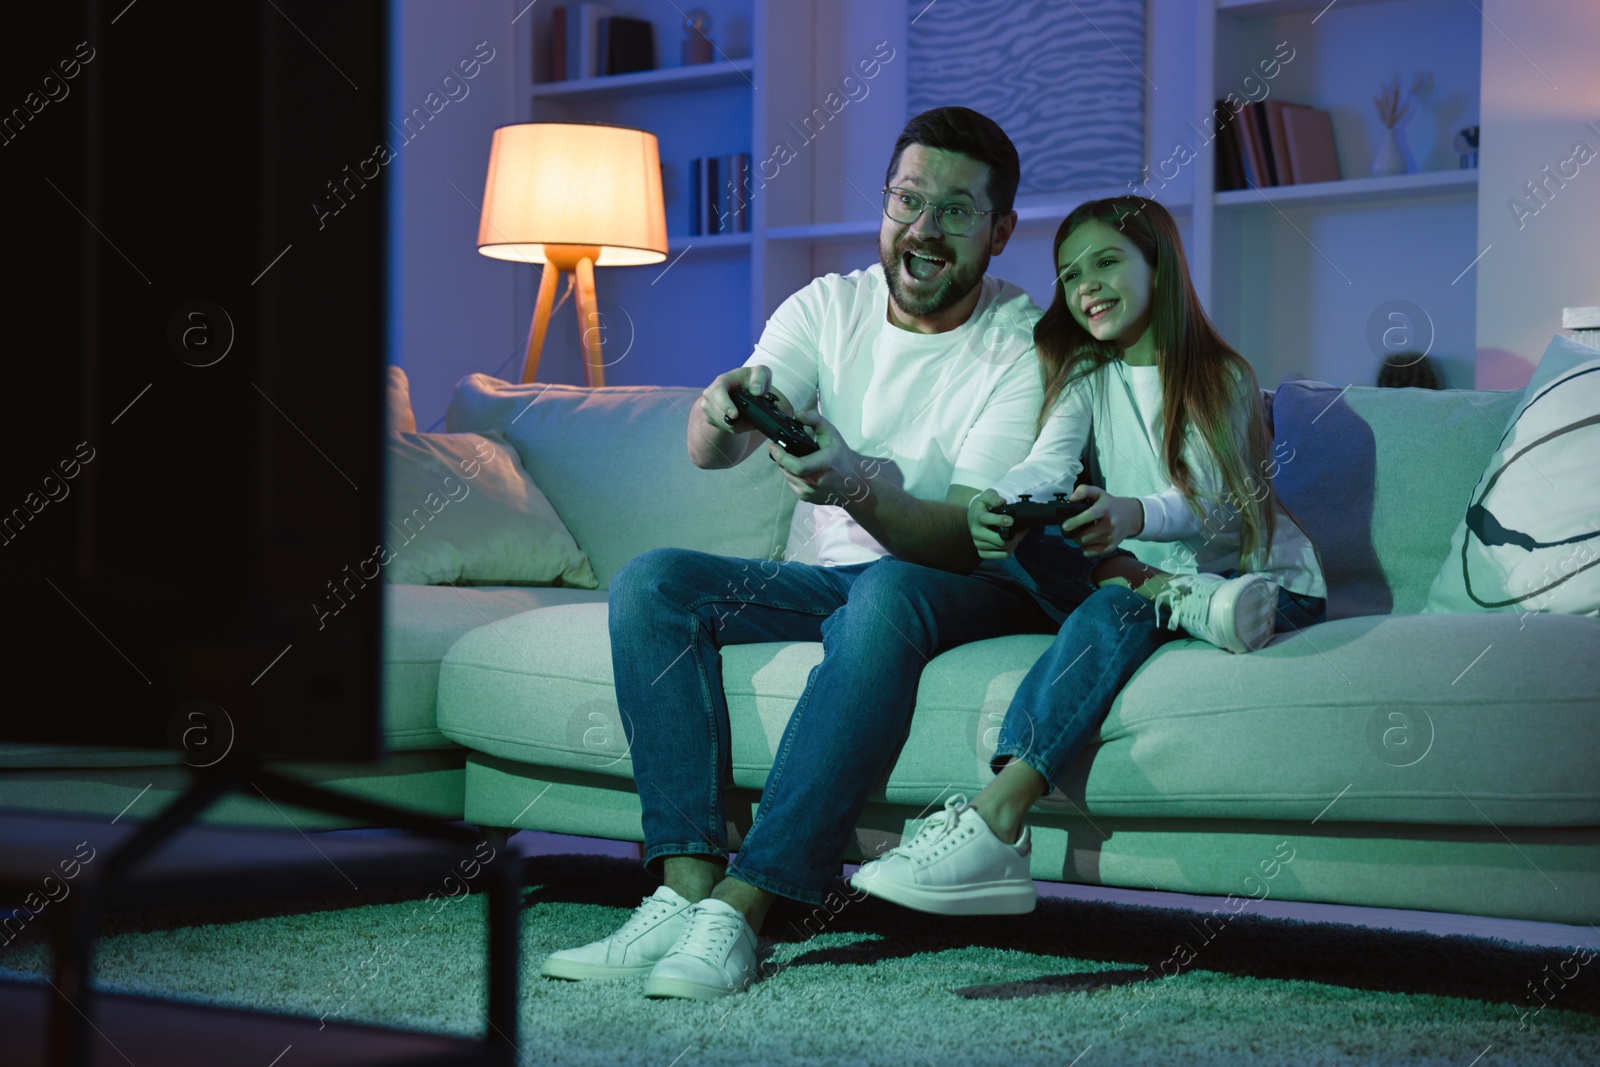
1276	142
1308	133
719	194
556	53
733	193
742	188
1267	167
1255	173
626	45
575	37
1230	168
710	182
696	198
1280	149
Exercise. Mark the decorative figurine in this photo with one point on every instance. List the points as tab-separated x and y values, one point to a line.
697	47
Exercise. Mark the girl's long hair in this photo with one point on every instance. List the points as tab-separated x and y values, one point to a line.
1205	385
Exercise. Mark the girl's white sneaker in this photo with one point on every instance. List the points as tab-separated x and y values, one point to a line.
1232	613
954	865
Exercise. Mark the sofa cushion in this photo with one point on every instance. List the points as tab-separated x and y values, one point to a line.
614	464
1339	710
420	623
1392	719
537	688
1378	478
462	508
1528	541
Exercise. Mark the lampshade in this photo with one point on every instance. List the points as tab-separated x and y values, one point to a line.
568	184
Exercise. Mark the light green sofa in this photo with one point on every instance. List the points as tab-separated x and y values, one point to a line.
1403	760
1443	762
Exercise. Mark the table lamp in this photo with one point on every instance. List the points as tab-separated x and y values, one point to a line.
572	197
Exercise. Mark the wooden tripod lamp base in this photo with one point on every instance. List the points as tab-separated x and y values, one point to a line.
577	261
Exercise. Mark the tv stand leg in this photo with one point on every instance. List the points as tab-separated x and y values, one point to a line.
77	924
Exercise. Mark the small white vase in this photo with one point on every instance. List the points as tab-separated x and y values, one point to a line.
1391	159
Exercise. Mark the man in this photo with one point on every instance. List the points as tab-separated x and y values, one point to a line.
924	369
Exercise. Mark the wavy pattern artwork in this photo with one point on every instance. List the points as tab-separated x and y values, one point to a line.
1063	78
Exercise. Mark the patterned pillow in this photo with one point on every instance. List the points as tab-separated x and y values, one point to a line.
1531	536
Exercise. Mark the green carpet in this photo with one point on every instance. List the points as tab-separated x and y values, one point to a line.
1072	983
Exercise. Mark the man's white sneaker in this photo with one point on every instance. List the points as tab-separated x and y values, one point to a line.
1232	613
954	865
635	948
713	957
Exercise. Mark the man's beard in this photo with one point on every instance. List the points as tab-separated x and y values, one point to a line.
954	285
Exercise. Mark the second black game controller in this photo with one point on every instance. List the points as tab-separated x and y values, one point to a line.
1027	510
765	415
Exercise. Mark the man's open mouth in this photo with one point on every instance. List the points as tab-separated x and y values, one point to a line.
923	266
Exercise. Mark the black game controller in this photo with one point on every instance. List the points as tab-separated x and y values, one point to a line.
765	415
1026	509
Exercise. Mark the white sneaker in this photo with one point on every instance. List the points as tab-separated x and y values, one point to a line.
1232	613
954	865
713	957
635	948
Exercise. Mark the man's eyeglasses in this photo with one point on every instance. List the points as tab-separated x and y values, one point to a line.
955	218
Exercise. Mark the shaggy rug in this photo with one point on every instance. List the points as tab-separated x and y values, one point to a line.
864	982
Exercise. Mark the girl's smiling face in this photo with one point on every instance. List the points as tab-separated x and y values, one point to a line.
1107	285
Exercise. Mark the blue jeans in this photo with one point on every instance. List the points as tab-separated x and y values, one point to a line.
1106	636
671	612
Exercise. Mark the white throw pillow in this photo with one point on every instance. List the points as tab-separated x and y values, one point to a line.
461	508
1531	536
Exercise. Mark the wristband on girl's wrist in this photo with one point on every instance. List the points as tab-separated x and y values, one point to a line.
1140	530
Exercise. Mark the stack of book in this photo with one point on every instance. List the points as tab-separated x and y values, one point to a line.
1274	142
587	41
719	194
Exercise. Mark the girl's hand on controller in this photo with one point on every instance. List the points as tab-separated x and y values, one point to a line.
1109	521
987	528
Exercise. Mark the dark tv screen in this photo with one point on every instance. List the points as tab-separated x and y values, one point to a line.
195	375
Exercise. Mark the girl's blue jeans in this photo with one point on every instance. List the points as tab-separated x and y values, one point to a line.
880	624
1105	636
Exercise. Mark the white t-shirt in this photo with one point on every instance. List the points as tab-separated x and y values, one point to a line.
943	409
1121	406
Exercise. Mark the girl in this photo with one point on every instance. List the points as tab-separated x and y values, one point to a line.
1173	418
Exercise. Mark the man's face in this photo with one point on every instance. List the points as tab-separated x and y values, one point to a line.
930	273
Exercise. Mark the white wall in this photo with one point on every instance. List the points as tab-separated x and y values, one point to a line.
1541	98
452	310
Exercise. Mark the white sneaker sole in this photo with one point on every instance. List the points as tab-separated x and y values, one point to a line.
684	989
983	898
1255	609
579	971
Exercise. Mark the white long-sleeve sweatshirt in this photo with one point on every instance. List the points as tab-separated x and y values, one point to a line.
1120	406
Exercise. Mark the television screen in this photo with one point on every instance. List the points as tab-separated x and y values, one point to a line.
195	303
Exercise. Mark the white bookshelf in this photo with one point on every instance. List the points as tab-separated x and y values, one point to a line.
1293	274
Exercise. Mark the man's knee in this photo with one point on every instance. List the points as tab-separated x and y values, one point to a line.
649	578
897	601
888	584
